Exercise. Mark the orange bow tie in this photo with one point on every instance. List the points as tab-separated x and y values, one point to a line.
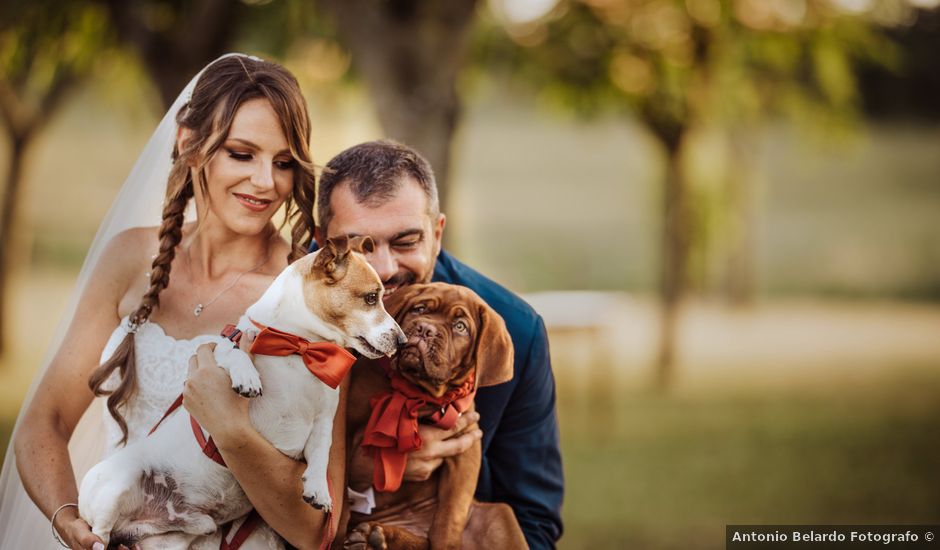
327	361
392	430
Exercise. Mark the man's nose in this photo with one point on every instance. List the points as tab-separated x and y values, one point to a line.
382	262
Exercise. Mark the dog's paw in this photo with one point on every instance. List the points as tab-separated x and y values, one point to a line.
246	382
366	536
317	494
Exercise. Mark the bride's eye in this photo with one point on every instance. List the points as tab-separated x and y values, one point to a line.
287	164
238	155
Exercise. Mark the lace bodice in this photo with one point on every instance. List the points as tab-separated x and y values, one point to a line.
162	362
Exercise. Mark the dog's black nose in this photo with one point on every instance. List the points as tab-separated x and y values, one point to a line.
401	341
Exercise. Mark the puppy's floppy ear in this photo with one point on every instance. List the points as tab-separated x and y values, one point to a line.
333	258
494	351
398	303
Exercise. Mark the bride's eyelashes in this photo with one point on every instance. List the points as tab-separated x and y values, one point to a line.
283	164
237	155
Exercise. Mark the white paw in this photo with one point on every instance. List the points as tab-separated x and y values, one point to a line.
317	493
246	382
245	378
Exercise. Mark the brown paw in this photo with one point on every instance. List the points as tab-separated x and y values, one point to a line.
366	536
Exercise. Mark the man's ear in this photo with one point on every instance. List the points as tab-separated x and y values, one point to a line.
333	259
494	351
437	231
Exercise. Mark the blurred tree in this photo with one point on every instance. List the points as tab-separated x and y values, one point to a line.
176	38
46	47
409	53
910	91
680	64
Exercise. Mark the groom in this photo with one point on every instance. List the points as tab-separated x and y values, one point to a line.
387	191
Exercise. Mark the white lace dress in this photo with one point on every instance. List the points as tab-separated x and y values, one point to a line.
162	363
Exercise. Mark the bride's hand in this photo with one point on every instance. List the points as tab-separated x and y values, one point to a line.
76	533
209	398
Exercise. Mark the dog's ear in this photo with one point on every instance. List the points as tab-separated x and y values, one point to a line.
333	258
362	245
398	303
494	351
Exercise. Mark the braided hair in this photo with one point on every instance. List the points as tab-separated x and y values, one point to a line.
221	89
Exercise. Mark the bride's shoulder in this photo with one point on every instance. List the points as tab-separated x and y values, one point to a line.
129	251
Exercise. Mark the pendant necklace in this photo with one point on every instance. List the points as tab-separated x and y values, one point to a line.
200	306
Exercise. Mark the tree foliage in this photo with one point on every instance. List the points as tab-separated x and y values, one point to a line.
676	65
45	48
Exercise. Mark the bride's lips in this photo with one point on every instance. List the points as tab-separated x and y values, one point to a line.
252	202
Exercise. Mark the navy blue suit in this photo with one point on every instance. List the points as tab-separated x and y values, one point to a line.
521	457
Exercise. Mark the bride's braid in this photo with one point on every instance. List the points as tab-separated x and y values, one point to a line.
124	357
222	88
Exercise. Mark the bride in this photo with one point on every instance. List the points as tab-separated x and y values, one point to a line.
235	147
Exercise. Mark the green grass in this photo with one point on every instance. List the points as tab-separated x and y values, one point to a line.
670	471
655	471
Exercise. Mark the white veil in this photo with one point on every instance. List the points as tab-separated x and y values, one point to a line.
138	203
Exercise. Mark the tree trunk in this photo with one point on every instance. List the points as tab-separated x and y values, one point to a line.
409	53
10	198
177	45
675	254
739	284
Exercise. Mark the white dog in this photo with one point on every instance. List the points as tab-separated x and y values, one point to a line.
165	484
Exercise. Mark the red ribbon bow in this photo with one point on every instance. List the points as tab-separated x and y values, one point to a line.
327	361
392	430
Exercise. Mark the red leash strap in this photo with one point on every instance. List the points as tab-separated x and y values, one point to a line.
328	539
254	519
208	445
244	531
175	405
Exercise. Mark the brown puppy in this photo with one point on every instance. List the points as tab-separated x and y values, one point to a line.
456	343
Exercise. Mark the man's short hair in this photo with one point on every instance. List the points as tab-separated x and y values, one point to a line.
374	172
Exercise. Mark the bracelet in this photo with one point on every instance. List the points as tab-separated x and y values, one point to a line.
52	523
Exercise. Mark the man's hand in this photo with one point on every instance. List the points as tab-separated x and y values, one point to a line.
438	444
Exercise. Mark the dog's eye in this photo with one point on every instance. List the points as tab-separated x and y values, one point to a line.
372	298
461	326
419	309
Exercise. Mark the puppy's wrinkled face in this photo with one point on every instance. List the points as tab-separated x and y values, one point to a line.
342	289
442	324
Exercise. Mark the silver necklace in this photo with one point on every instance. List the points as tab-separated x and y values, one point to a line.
200	306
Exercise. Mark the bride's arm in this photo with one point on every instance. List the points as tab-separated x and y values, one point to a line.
271	479
41	441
